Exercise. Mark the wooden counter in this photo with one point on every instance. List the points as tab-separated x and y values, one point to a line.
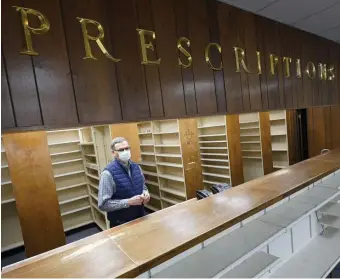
134	248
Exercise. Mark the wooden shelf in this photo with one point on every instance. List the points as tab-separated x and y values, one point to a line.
152	182
148	153
173	191
143	134
75	210
211	135
94	196
215	148
94	186
69	173
63	142
66	162
166	133
167	145
216	175
78	225
12	246
250	128
4	166
66	152
215	154
170	200
280	150
61	131
93	176
71	186
6	182
251	150
211	126
8	201
250	142
171	177
154	196
170	165
147	163
214	160
97	208
74	199
169	155
86	143
146	144
215	166
151	207
279	167
250	135
214	141
90	155
91	166
150	173
252	157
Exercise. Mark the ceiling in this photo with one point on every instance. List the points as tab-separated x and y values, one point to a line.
321	17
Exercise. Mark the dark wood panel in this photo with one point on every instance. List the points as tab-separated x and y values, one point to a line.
316	83
228	21
131	83
266	144
255	93
307	44
216	57
181	10
170	73
335	116
203	75
52	69
297	84
328	127
34	191
152	78
334	85
292	136
95	81
19	68
7	115
324	91
310	133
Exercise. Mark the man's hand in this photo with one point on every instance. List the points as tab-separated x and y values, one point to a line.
146	197
136	200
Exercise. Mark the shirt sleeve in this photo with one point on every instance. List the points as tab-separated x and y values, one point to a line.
145	189
107	187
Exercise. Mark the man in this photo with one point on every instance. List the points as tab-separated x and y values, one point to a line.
122	190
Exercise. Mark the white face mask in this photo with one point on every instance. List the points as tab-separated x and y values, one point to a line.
125	155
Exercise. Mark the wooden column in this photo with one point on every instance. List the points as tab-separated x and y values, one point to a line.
190	156
294	154
234	148
35	191
266	144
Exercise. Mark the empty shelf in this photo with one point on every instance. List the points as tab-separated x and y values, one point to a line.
154	196
280	150
237	244
330	221
63	142
150	173
212	182
167	145
166	133
69	173
75	210
11	246
148	153
246	122
146	144
151	182
279	167
315	260
6	182
252	157
152	208
171	177
78	225
147	163
86	143
250	142
67	152
211	135
169	155
94	186
251	150
73	199
170	165
215	154
331	209
92	166
173	191
95	197
277	119
316	195
61	131
4	166
216	167
214	141
96	207
8	201
71	186
93	176
250	128
252	267
216	148
278	134
66	162
142	134
171	200
90	155
214	160
216	174
211	126
249	135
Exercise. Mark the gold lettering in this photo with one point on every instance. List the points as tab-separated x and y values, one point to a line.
43	28
298	68
207	58
331	73
322	71
274	60
98	39
239	57
287	61
311	72
259	68
145	46
184	51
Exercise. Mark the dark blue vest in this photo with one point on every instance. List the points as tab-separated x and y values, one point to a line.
126	187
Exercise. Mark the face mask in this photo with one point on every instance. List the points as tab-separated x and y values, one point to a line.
125	155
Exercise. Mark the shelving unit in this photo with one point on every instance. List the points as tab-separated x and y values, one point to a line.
148	164
279	139
69	176
213	141
11	235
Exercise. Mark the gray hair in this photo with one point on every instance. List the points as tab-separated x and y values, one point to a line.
115	141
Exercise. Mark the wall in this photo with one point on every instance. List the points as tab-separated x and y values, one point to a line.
58	88
323	129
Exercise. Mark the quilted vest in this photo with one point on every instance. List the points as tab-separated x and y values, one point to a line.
126	187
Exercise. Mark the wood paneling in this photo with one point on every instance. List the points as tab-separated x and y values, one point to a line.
334	85
266	146
181	10
323	131
190	156
138	246
126	45
228	22
306	52
35	191
170	73
51	68
95	81
204	76
151	73
19	68
7	116
292	135
234	149
128	131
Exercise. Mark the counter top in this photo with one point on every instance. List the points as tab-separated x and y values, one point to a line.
134	248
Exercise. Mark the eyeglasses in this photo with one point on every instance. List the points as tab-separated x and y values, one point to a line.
124	149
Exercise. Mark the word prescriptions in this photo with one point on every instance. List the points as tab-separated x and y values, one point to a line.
146	37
